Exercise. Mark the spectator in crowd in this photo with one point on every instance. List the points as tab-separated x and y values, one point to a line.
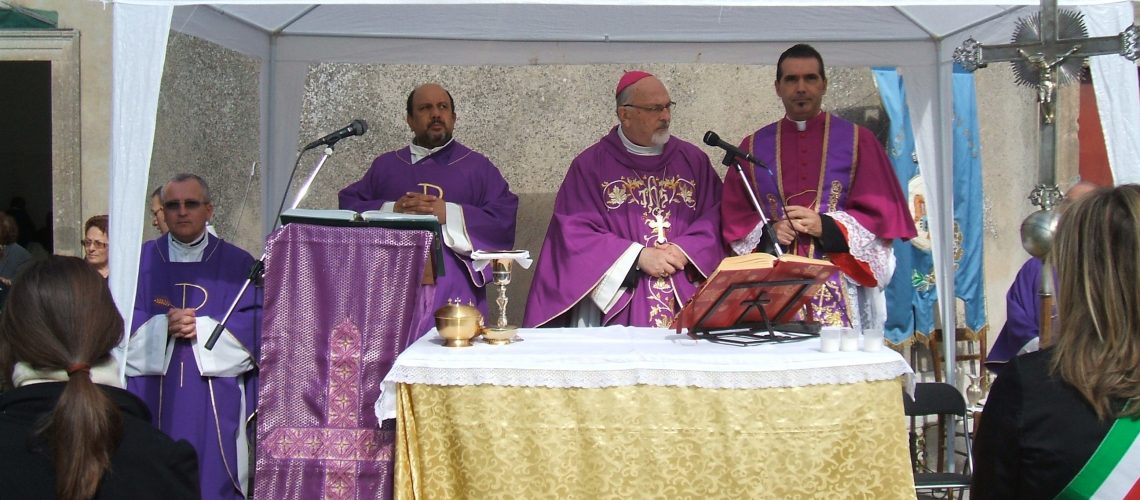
95	243
1059	422
67	428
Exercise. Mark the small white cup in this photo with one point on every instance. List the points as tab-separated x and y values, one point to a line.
872	339
829	339
848	340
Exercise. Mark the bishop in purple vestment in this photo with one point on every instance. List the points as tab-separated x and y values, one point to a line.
831	194
635	223
439	176
187	281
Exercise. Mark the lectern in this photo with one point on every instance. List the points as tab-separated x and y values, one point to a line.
340	304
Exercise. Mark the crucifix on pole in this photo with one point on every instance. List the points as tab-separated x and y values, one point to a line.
1048	50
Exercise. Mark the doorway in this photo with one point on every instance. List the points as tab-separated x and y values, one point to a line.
25	150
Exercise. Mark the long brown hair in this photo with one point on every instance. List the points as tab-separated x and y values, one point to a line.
60	316
1097	250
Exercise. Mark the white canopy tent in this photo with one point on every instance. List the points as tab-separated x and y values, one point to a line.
287	36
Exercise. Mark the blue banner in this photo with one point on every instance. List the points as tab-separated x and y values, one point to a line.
910	294
969	285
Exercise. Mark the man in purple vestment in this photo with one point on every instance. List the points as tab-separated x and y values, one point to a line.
187	281
437	175
635	224
832	194
1023	302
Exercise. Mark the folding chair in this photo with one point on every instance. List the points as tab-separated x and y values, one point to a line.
944	401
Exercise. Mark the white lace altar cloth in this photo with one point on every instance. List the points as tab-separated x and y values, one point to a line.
619	356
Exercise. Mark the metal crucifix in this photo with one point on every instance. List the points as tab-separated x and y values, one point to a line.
1048	50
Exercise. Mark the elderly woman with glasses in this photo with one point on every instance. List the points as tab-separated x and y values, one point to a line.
95	244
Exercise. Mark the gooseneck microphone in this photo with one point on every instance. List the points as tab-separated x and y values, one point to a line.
357	127
715	141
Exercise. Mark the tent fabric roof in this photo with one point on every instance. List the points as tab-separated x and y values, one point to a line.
918	36
616	23
613	21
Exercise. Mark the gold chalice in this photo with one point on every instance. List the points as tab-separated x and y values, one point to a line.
501	333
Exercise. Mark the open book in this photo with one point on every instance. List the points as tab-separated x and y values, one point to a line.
332	217
730	296
375	218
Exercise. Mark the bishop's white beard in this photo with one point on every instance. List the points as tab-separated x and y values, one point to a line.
660	137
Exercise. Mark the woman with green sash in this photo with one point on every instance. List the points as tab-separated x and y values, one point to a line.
1063	422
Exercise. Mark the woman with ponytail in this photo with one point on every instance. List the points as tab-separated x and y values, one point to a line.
67	428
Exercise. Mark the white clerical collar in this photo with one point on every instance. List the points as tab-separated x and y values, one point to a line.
187	252
639	150
801	125
420	152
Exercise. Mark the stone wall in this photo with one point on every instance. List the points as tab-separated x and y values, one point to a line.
208	119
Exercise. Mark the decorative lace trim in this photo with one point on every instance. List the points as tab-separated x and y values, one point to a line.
745	245
867	248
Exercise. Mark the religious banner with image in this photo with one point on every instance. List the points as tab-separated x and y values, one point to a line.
910	294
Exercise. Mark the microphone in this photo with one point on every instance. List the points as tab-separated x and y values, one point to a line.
357	127
714	140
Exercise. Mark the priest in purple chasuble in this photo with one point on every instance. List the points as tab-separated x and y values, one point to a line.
187	281
437	175
830	193
1019	334
1022	317
635	223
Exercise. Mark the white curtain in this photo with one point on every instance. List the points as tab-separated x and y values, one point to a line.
138	54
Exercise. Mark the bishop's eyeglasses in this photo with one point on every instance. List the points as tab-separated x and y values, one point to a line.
652	109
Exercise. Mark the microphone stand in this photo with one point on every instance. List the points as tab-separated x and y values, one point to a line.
731	161
259	266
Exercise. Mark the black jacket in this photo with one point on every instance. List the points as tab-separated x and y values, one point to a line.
147	463
1036	433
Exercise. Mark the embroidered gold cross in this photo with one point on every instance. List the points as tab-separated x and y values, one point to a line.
659	225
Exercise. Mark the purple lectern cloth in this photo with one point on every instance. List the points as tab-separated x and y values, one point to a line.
341	304
459	176
206	411
607	202
1022	315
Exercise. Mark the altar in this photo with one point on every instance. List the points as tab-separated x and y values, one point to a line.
625	412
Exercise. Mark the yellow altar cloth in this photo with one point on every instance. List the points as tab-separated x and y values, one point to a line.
839	440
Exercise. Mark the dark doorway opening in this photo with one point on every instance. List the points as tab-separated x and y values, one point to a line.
26	149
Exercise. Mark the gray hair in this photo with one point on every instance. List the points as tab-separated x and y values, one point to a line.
625	96
183	177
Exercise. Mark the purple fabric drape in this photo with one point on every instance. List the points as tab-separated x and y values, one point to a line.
340	305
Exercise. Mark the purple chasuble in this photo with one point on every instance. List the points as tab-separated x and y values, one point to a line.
831	166
207	411
1022	315
612	198
460	176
